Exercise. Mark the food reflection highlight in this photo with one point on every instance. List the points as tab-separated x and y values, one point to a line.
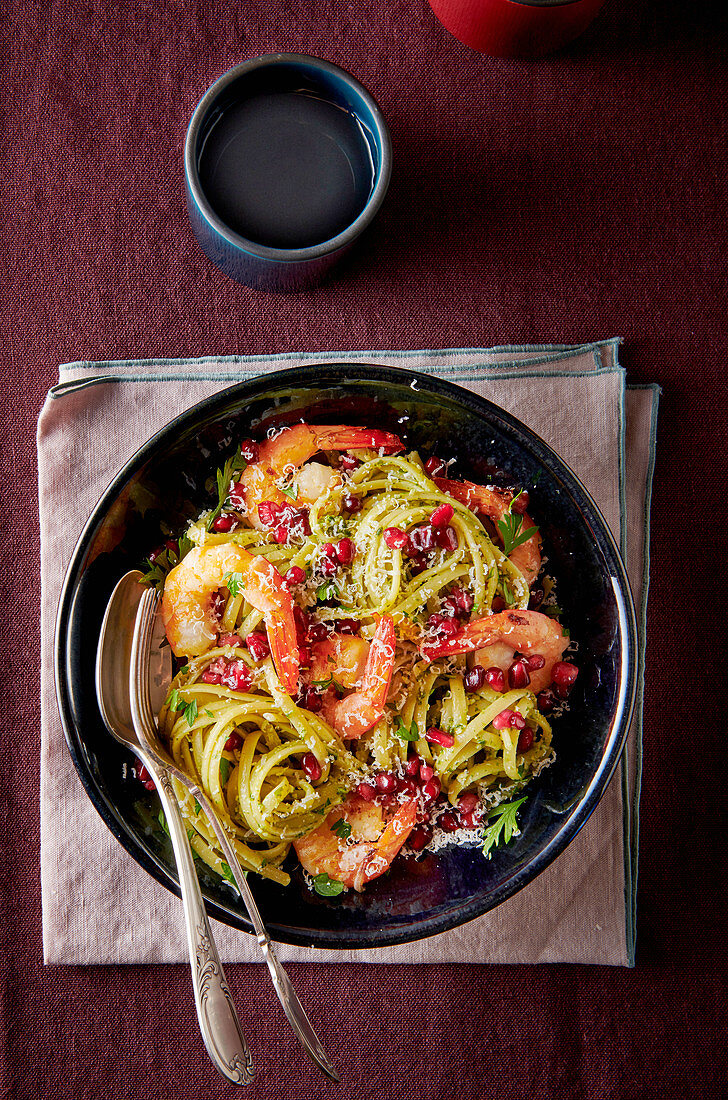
368	650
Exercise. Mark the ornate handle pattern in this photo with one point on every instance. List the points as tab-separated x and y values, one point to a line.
216	1013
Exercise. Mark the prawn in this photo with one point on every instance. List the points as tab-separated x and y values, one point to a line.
285	453
370	848
188	603
526	632
495	503
357	712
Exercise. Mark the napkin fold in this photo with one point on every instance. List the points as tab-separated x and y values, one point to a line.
582	908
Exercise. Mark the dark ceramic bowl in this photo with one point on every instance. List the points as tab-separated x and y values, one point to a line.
165	483
287	161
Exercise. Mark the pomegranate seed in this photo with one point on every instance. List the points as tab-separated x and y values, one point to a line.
249	450
439	737
210	677
447	538
448	821
535	661
408	786
518	674
229	639
237	676
326	566
564	674
301	624
442	515
435	467
258	644
351	503
366	791
504	720
345	551
468	819
348	626
311	766
317	632
412	767
468	802
312	700
268	512
431	789
450	608
224	523
418	838
519	504
156	552
475	678
498	604
349	462
525	739
423	537
495	678
396	538
546	701
426	772
233	742
143	775
304	656
295	575
149	784
417	564
440	624
386	783
281	534
536	599
172	546
463	599
328	550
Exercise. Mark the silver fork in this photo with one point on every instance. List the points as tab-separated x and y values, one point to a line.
145	723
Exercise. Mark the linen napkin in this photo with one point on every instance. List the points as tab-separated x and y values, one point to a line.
581	909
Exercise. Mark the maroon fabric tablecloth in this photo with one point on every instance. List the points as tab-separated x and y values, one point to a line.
560	201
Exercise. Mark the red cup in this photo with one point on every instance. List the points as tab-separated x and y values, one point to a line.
515	28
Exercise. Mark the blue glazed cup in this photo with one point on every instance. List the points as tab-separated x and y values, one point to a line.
231	197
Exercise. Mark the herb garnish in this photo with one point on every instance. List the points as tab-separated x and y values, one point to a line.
234	582
176	703
342	828
510	529
327	591
504	827
327	887
330	682
234	465
405	733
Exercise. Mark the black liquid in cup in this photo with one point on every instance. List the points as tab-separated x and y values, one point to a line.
287	169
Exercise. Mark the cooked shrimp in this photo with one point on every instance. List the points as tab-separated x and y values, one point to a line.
495	503
188	605
358	712
282	457
526	632
341	657
369	849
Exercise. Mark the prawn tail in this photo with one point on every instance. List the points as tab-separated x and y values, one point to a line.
344	438
284	649
380	663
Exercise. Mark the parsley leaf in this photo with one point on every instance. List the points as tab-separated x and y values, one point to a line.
290	491
327	591
504	827
511	533
163	821
342	828
234	465
190	712
173	699
405	733
327	887
227	873
235	583
225	769
335	526
330	682
507	593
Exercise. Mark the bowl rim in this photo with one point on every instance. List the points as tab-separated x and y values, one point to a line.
253	248
334	374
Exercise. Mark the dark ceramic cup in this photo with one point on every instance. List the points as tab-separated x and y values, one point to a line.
287	161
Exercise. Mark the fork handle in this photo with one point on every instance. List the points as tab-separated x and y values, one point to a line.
216	1013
